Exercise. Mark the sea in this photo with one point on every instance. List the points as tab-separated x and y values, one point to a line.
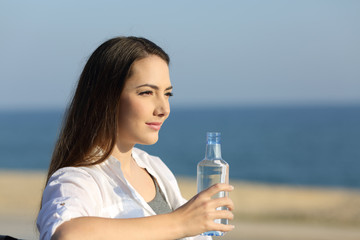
291	145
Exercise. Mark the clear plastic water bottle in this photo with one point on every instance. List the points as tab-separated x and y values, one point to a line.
213	169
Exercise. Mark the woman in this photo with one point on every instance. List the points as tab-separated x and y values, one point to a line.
99	186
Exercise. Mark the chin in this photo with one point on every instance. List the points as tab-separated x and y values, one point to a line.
150	141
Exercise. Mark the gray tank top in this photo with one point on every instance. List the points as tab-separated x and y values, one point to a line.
159	204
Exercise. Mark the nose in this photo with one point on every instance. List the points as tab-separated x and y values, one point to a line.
162	107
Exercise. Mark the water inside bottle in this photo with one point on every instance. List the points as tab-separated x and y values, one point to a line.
210	173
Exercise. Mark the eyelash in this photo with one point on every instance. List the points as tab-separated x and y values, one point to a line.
146	93
169	94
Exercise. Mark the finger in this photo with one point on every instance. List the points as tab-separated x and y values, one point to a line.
214	189
222	214
222	227
223	202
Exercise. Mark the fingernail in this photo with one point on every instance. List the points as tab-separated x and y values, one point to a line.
232	187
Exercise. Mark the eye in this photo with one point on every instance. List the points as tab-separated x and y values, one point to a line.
144	93
169	94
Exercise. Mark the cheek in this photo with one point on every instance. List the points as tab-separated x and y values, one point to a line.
137	109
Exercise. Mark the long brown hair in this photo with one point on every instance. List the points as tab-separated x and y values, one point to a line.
88	134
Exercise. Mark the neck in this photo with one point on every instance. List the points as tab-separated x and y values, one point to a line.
213	151
123	155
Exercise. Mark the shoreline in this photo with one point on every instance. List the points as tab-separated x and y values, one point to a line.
262	211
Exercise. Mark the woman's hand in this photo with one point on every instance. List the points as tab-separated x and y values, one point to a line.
198	214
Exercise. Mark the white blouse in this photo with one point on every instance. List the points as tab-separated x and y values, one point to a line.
102	191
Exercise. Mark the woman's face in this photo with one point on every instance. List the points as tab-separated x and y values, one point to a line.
144	102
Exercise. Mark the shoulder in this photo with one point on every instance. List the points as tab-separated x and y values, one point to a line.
71	181
70	192
71	174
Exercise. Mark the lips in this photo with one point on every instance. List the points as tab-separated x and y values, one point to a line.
154	125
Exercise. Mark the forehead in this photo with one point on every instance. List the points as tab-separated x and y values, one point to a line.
149	69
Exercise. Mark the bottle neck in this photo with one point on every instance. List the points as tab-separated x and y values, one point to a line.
213	151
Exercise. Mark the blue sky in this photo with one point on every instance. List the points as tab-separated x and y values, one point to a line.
222	52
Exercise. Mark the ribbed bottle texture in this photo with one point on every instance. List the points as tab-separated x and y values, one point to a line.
213	169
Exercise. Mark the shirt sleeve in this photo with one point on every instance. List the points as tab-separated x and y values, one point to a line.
70	193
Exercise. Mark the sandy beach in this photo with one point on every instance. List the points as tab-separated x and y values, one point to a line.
262	211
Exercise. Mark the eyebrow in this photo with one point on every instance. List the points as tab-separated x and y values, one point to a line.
153	86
